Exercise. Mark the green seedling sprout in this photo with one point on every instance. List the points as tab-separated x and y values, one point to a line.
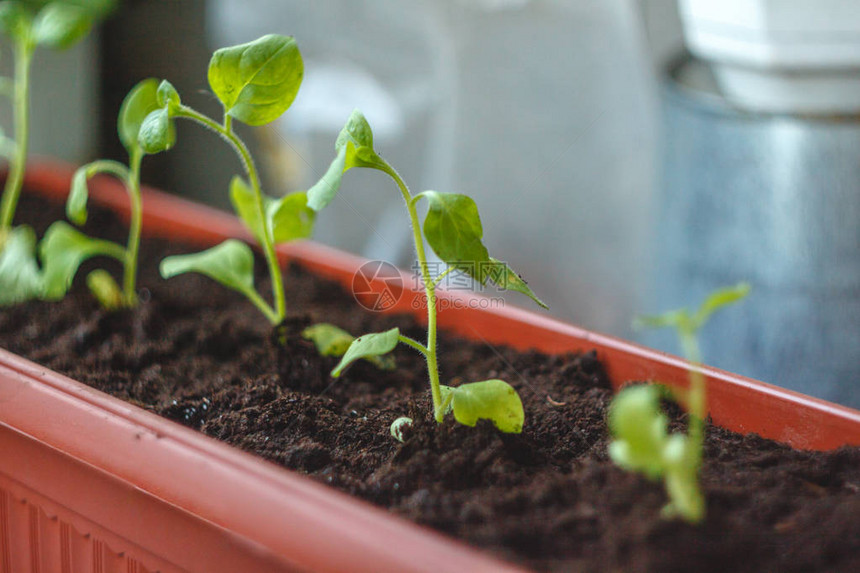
453	230
255	83
29	24
63	249
642	442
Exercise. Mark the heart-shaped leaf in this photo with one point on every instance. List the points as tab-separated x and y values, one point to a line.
374	344
139	103
331	340
157	132
493	400
639	429
231	263
61	24
354	147
290	217
20	279
62	250
454	232
256	82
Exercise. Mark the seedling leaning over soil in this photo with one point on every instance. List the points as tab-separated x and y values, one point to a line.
63	249
640	429
256	83
30	24
453	230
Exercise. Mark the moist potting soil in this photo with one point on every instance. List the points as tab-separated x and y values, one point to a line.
549	498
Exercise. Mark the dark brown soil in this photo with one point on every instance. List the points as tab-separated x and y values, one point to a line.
548	498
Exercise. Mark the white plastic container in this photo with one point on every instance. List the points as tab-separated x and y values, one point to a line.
783	56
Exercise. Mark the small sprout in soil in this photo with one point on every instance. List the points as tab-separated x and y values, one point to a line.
331	340
399	426
453	230
642	442
64	249
29	24
255	83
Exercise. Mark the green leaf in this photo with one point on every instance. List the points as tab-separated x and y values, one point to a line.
76	204
720	298
453	230
290	217
61	25
105	290
20	279
505	277
374	344
356	131
62	250
324	190
157	132
640	430
331	340
245	204
15	20
259	80
231	263
139	103
168	97
493	400
354	147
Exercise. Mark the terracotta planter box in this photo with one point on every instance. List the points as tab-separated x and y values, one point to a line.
91	483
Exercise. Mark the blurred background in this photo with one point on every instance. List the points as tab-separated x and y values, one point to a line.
627	156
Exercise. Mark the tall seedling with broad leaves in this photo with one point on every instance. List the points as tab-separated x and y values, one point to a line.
29	24
642	442
453	230
63	249
255	83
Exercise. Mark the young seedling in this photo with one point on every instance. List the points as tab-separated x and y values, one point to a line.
64	249
642	442
256	83
453	230
29	24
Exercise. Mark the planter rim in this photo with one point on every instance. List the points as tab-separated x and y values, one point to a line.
230	493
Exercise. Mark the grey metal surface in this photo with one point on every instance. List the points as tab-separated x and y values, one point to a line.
774	200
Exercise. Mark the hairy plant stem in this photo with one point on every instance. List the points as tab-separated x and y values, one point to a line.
24	49
429	289
277	314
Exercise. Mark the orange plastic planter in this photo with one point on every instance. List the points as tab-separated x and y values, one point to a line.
90	483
